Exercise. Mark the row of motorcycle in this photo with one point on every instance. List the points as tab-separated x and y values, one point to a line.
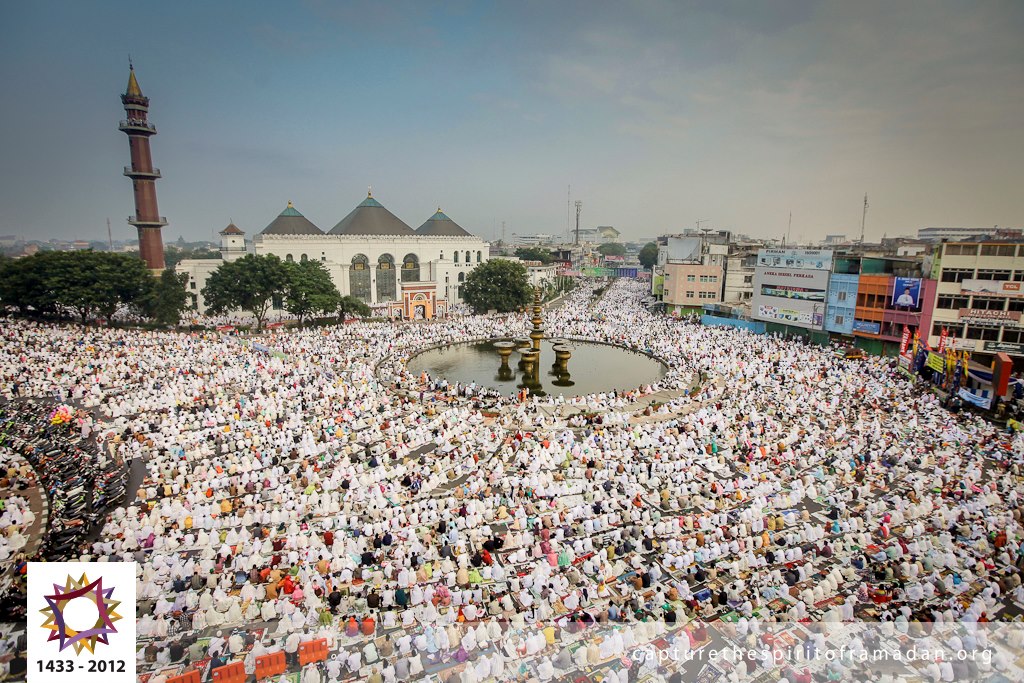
82	482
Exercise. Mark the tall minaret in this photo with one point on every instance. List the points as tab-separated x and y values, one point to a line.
147	219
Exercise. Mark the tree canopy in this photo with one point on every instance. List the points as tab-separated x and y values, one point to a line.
248	284
649	255
351	305
534	254
499	284
612	249
87	283
166	298
309	290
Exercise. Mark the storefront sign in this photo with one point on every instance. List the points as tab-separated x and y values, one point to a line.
1004	347
961	344
981	315
936	362
867	326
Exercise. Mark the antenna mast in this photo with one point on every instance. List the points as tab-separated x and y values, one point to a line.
110	236
579	205
863	219
568	211
789	230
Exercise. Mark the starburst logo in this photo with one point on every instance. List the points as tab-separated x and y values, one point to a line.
82	589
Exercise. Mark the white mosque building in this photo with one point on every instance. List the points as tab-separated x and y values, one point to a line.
371	254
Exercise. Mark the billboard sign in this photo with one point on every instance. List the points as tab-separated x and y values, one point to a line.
799	259
867	326
996	287
790	296
987	316
906	293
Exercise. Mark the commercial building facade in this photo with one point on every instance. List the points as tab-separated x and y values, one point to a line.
790	288
979	299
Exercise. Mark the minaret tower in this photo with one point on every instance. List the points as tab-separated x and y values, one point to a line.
147	219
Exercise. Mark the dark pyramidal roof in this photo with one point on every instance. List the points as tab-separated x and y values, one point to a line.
371	218
232	229
439	225
291	222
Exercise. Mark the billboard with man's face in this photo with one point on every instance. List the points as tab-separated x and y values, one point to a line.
906	293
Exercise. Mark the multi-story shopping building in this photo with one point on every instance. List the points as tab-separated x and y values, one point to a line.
980	296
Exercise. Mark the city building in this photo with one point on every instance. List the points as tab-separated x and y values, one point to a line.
937	234
739	276
601	234
980	297
532	240
893	294
689	273
147	219
790	290
370	254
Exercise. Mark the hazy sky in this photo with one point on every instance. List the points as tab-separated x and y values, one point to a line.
657	114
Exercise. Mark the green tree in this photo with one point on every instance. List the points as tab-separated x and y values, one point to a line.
248	284
310	290
350	304
499	284
612	249
91	282
649	255
24	284
166	298
534	254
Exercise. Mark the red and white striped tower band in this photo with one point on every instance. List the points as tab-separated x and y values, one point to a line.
147	219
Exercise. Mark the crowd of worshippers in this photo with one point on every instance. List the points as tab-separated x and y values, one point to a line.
419	526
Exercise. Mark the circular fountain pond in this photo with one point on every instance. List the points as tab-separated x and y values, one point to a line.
592	367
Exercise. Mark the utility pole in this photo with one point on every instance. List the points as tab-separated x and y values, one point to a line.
863	220
503	233
789	230
110	236
579	205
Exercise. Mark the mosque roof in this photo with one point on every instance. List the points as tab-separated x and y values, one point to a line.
371	218
439	225
291	222
233	229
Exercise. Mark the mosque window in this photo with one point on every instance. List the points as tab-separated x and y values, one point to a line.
479	256
467	257
456	255
386	289
411	268
359	278
289	258
462	277
303	258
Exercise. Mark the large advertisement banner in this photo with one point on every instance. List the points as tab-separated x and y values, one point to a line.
906	293
799	259
997	287
790	296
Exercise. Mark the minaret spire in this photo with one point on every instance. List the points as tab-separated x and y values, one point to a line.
147	219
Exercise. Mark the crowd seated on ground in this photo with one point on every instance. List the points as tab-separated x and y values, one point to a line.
323	491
